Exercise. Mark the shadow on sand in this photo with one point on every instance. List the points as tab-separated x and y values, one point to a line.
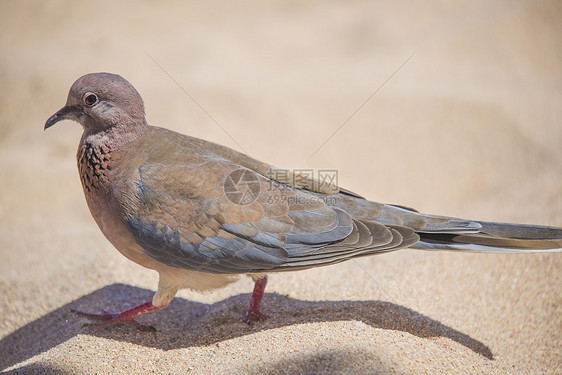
185	323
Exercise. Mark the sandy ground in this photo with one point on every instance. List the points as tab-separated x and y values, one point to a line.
469	126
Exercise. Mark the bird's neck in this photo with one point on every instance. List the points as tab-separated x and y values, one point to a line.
97	152
94	166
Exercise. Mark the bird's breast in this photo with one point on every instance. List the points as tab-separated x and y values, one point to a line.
96	163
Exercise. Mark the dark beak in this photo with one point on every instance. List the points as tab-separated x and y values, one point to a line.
62	114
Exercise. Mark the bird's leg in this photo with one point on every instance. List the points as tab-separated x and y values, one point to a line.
254	312
128	316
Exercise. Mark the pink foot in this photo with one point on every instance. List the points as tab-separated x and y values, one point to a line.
128	316
254	312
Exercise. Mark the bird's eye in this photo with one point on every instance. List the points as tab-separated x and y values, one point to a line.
90	99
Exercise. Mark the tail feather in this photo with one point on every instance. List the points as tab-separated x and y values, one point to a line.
496	237
449	233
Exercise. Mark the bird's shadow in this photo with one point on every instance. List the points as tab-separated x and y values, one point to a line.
185	323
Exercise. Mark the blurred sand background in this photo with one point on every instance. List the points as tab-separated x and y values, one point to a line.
470	126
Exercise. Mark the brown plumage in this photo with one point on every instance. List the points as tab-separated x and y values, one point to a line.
201	214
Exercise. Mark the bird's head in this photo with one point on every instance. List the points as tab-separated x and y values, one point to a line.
99	101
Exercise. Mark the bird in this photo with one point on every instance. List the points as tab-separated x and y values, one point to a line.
202	215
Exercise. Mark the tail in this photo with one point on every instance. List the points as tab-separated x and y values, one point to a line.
449	233
495	238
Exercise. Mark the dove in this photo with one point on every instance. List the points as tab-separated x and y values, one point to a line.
202	215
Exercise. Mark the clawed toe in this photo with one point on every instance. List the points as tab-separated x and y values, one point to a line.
105	316
107	319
